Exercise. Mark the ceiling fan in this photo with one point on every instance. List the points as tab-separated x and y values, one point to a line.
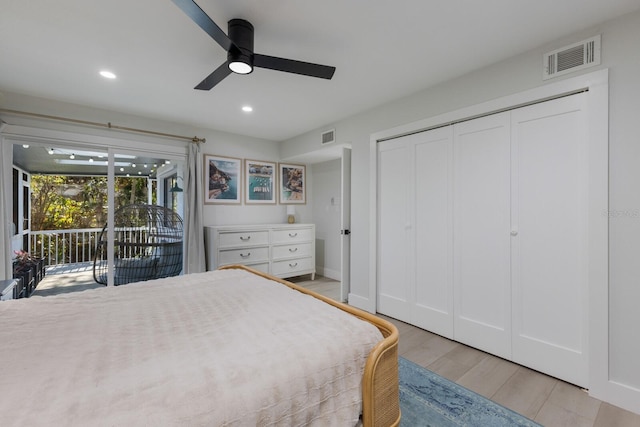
239	46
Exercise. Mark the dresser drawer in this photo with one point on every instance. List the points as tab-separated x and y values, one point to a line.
243	256
291	251
242	238
283	250
293	235
292	266
262	266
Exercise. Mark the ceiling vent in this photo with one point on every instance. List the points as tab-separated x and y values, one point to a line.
572	58
328	137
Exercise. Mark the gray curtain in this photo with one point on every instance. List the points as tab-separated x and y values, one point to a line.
6	217
194	260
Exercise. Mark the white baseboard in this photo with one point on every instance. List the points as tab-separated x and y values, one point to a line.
329	273
618	394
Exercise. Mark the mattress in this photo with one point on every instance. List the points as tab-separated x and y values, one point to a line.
222	348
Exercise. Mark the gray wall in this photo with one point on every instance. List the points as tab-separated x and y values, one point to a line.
517	74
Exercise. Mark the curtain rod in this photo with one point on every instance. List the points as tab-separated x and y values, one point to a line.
107	125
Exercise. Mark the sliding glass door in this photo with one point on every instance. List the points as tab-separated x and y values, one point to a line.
72	194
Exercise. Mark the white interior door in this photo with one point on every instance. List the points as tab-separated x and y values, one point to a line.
394	231
345	224
432	157
550	251
482	288
415	247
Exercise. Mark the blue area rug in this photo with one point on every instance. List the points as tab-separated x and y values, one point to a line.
429	400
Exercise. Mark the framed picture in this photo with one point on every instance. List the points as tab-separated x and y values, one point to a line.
222	177
260	182
292	184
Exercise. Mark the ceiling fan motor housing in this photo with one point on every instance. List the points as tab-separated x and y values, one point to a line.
241	34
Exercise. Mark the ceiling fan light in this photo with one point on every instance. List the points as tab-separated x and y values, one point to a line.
239	67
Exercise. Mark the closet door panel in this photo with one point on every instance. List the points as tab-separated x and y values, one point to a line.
482	294
394	269
433	156
550	258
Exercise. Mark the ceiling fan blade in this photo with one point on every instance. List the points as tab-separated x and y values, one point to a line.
198	16
292	66
214	78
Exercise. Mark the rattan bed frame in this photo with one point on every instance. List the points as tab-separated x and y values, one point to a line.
380	388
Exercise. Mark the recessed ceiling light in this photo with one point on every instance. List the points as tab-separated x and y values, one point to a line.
247	108
107	74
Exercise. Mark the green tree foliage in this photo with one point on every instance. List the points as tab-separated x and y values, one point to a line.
71	202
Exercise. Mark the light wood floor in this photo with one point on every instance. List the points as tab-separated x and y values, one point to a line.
544	399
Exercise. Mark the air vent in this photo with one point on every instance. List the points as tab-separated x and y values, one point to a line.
328	137
572	58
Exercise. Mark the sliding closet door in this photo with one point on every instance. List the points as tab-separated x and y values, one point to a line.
550	258
482	289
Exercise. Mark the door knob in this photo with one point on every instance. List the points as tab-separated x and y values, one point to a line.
514	232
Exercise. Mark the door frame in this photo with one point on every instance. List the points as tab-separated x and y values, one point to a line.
345	224
596	84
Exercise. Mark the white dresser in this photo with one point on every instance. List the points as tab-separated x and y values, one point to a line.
282	250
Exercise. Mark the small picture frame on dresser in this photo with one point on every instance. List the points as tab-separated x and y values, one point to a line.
222	180
292	184
260	182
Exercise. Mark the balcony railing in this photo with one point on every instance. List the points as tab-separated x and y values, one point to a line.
79	245
64	246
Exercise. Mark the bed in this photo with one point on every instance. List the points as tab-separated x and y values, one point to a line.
229	347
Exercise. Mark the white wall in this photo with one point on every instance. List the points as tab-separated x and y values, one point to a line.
326	216
515	75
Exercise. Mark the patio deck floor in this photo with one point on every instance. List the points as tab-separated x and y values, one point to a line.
66	278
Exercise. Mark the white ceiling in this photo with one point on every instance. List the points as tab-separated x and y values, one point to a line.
382	49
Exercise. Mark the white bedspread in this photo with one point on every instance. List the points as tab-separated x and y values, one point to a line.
215	349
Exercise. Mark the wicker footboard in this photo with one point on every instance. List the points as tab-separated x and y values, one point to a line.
380	389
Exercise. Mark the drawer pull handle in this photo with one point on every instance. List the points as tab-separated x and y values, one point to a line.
293	265
293	234
293	249
246	256
245	238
